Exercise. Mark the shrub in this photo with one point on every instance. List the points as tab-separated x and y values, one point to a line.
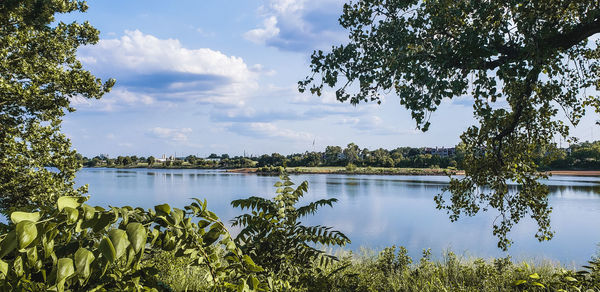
351	167
75	246
273	236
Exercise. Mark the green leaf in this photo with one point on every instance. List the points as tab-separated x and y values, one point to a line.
64	269
254	281
168	243
83	260
17	217
519	282
538	284
137	236
212	235
164	209
107	249
88	212
66	201
72	215
119	240
534	276
8	244
250	264
203	223
3	268
32	256
176	215
104	221
48	246
26	233
18	266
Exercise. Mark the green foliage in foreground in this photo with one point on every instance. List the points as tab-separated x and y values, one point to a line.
393	271
274	237
78	247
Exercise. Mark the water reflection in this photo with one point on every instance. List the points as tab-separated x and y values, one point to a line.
373	210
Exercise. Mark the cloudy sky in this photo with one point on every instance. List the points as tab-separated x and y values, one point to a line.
201	77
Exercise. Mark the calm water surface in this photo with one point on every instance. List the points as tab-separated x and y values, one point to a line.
374	211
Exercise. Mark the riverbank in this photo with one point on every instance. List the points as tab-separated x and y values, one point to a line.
576	172
391	171
345	170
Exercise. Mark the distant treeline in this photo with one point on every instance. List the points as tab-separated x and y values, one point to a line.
584	155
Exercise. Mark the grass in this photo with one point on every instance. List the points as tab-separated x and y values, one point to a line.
392	270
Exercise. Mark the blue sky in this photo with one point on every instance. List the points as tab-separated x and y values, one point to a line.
201	77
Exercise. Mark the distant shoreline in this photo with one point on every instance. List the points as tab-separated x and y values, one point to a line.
399	171
357	171
575	172
363	170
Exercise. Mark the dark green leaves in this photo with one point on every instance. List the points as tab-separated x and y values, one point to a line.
8	244
119	241
278	242
137	236
107	249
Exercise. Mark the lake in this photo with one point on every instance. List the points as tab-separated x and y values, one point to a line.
374	211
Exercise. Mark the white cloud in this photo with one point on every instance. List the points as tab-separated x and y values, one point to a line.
294	25
141	53
260	35
157	67
287	6
177	135
117	99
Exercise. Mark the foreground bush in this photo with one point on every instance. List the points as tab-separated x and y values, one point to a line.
275	238
74	246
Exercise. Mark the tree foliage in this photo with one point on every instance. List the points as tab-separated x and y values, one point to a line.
39	75
275	238
522	62
73	246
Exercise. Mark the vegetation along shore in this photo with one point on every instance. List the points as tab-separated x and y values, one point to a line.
581	159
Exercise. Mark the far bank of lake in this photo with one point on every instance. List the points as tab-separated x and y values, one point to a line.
346	170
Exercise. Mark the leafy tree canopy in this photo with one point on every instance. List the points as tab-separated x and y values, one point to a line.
39	74
524	63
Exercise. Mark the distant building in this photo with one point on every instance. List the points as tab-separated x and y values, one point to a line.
164	158
440	151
